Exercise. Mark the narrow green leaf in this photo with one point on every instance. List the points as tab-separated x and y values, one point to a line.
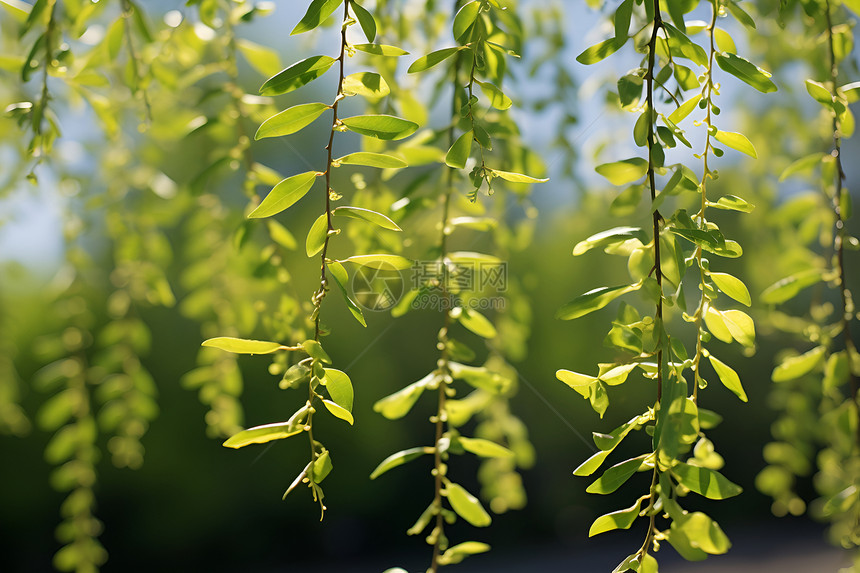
381	261
796	366
819	92
621	19
263	434
621	519
736	141
290	120
242	346
477	323
341	277
709	483
432	59
685	109
485	448
732	286
263	59
297	75
740	14
369	159
460	551
317	234
625	171
497	98
338	411
471	257
724	41
398	459
787	288
365	20
579	382
367	215
467	505
802	165
380	126
465	17
381	50
601	51
728	377
367	84
516	177
397	405
746	71
593	300
732	203
321	467
741	326
317	13
591	465
610	237
281	234
459	152
614	477
480	377
284	194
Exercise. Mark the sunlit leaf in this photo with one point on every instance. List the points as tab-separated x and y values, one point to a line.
458	154
467	505
728	377
380	126
601	51
736	141
317	234
366	215
290	120
339	411
732	286
380	50
593	300
242	346
316	14
709	483
465	17
369	159
263	59
263	434
477	323
284	194
787	288
432	59
621	519
485	448
297	75
615	476
625	171
381	261
497	98
746	72
365	20
796	366
398	459
367	84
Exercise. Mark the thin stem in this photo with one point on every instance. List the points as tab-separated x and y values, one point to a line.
844	294
656	218
42	105
707	94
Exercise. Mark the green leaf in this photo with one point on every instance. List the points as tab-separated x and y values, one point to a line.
516	177
787	288
341	277
467	505
852	90
601	51
732	286
479	377
465	17
724	41
317	234
702	533
610	237
315	351
746	72
732	203
614	477
367	215
709	483
630	87
339	411
263	59
367	84
593	300
621	519
497	98
819	92
290	120
685	109
591	465
322	466
365	20
802	165
281	234
621	19
459	152
740	14
285	194
397	405
740	325
460	551
297	75
242	346
339	387
477	323
728	377
485	448
381	50
380	126
796	366
369	159
579	382
398	459
471	257
263	434
736	141
432	59
381	261
625	171
317	13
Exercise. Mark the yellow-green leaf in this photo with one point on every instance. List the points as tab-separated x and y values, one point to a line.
380	126
369	159
398	459
459	152
263	434
290	120
624	171
621	519
338	411
485	448
316	14
796	366
243	346
381	261
732	286
367	84
728	377
297	75
317	234
746	71
593	300
284	194
709	483
467	505
477	323
736	141
365	20
432	59
615	476
381	50
497	98
367	215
